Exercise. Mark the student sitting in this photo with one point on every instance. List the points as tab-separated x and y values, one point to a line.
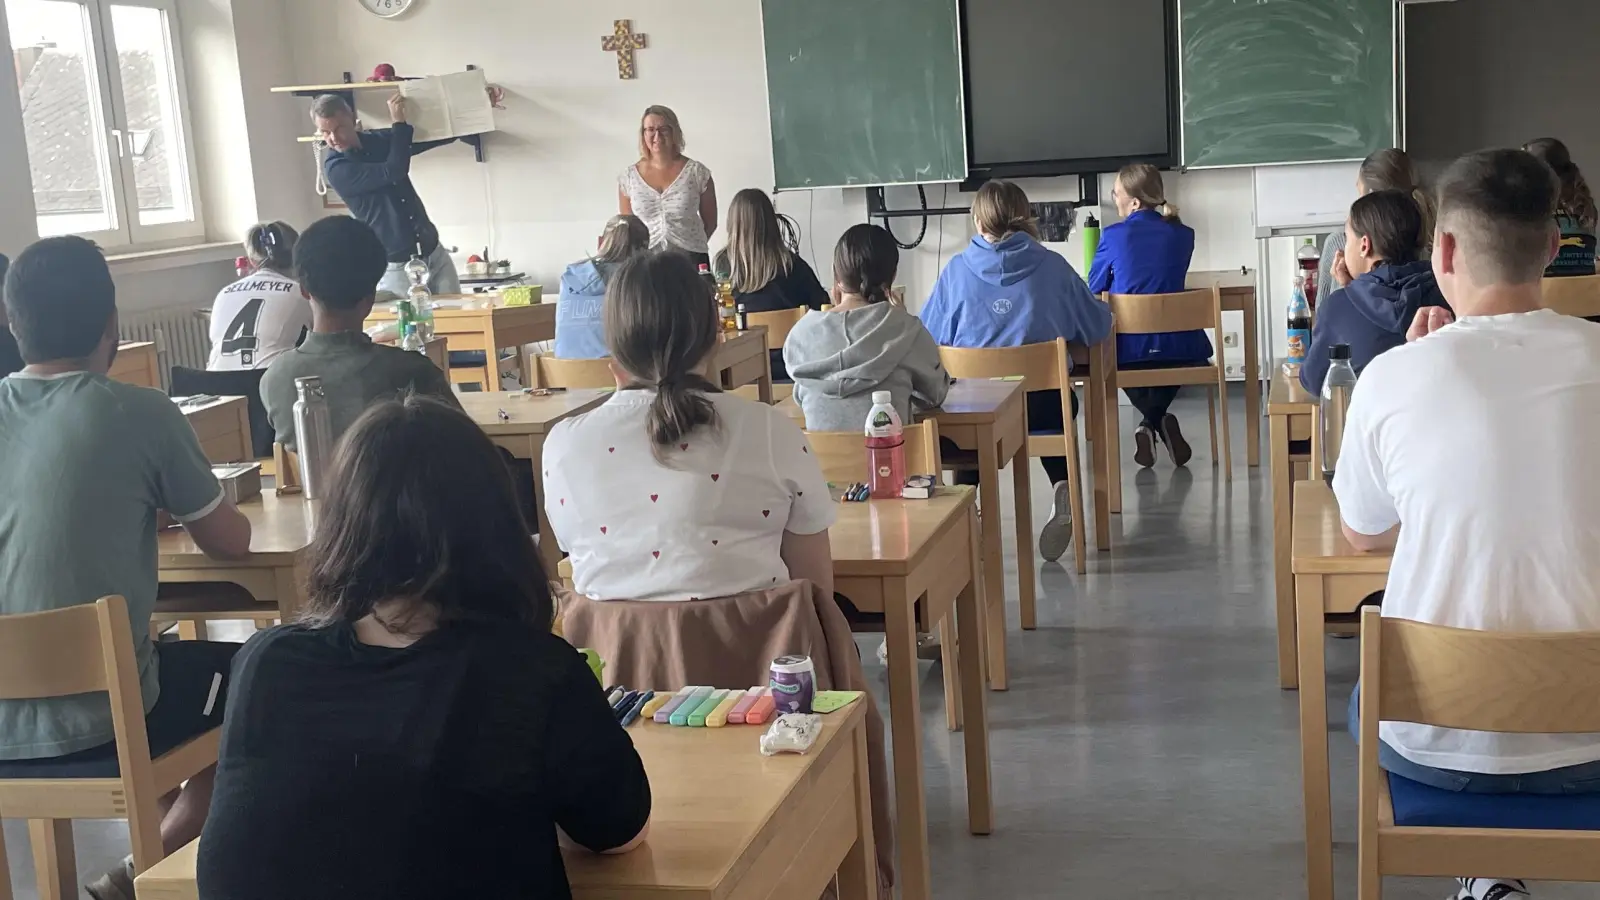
1576	214
1386	170
339	260
1007	290
579	334
866	343
1383	283
10	356
671	489
1464	451
1149	253
763	260
264	314
88	464
421	733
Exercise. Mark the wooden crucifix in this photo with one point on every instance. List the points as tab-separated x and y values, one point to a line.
622	41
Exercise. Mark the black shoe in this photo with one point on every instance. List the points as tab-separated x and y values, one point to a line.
1172	436
1144	447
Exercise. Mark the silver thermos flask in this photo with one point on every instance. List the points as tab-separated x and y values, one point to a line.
313	435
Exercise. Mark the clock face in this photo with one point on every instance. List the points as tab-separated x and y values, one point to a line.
386	8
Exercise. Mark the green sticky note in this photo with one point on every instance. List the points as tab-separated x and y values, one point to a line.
829	701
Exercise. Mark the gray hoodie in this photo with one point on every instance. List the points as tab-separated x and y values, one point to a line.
838	358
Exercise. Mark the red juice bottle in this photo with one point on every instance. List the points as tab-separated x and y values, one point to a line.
886	449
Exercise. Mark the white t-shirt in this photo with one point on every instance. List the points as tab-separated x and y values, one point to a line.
672	215
1481	439
255	319
711	525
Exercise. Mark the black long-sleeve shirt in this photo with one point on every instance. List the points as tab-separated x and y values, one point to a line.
374	180
440	770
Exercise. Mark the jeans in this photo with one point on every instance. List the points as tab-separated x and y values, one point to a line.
1153	402
1580	779
442	277
1044	417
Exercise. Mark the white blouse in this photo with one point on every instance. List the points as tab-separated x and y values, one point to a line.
673	215
710	524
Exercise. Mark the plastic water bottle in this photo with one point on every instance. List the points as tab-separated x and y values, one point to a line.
1310	259
420	297
1299	329
412	339
1337	387
886	449
313	433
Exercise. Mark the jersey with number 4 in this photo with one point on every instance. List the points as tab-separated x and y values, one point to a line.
255	319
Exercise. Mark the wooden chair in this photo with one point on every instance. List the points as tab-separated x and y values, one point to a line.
287	464
1042	367
779	324
80	650
555	372
1197	310
1483	681
843	454
780	392
1576	296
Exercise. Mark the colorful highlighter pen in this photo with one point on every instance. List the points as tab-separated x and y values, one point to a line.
638	706
697	719
615	694
656	702
746	700
680	716
764	710
626	703
719	716
664	713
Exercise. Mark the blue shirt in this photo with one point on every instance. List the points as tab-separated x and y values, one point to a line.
1146	254
374	180
1012	293
580	332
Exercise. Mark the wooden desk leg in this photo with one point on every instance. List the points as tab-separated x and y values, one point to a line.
491	355
1113	428
1314	739
1282	483
1252	387
994	567
55	864
1022	499
858	874
764	383
905	726
950	662
286	584
980	792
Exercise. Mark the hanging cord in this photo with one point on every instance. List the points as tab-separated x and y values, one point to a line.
317	149
922	196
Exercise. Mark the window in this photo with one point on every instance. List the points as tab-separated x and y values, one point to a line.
105	119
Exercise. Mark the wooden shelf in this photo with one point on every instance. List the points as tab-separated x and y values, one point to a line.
333	88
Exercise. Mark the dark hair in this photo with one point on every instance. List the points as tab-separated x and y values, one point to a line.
660	324
448	532
1392	221
270	245
339	261
1576	198
59	299
865	262
1501	206
1390	169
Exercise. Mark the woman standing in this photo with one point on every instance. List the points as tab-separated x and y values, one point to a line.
1576	213
673	194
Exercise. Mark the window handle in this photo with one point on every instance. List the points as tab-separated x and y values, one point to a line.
119	134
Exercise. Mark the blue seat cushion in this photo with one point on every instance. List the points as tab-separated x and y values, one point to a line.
465	359
1044	432
1418	805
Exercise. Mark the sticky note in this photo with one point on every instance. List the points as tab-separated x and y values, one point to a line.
829	701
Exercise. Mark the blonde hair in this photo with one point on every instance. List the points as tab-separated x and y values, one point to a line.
678	141
1001	209
1142	182
623	237
270	245
761	243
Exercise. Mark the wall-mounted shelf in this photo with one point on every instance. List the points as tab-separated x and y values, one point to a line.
347	89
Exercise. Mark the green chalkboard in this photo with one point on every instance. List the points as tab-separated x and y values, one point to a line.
864	92
1273	81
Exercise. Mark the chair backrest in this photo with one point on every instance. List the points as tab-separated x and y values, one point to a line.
245	383
843	454
1575	296
1194	310
779	324
554	372
1042	367
286	462
1481	680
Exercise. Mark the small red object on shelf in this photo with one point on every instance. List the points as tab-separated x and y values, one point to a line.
383	72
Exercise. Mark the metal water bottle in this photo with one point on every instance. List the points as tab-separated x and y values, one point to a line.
1091	241
1337	386
313	435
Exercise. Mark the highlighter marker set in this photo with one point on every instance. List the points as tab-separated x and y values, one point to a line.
706	707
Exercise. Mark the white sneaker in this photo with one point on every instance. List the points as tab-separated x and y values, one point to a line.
1056	536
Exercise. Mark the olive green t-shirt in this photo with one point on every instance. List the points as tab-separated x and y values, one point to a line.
355	372
86	463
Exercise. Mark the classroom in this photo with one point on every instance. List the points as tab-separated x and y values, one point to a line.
932	449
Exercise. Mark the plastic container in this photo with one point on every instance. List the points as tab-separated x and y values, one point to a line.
1337	387
886	449
1310	259
793	680
1299	328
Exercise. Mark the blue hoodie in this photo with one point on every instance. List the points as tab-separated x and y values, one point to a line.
1146	254
579	332
1012	293
1371	314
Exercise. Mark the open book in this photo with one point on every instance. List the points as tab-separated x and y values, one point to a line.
441	107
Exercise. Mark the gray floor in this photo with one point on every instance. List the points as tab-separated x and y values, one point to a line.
1144	749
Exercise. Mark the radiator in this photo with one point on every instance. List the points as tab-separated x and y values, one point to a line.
182	337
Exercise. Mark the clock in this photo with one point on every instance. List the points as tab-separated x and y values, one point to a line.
387	9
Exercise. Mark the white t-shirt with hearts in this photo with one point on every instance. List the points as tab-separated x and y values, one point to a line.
709	524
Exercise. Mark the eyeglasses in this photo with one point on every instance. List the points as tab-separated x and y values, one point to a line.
663	130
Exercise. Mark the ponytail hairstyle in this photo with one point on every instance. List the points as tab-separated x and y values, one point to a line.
1142	182
1392	170
623	237
1393	221
1001	209
761	244
270	245
1577	200
865	262
661	323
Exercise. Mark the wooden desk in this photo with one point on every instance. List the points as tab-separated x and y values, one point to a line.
522	435
475	322
1330	577
137	363
726	822
1289	415
223	427
280	531
1239	294
741	358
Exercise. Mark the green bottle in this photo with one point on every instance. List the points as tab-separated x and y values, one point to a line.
1091	240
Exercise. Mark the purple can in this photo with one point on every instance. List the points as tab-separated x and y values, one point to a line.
793	683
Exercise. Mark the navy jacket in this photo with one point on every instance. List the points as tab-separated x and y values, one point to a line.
374	180
1146	254
1372	315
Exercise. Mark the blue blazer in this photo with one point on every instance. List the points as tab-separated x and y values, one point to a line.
1146	254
